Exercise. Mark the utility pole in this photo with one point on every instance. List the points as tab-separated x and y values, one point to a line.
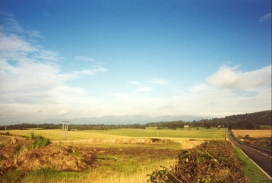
65	125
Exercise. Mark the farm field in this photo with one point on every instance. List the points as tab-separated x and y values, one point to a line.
260	138
253	133
115	162
177	135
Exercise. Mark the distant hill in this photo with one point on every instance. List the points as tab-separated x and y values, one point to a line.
237	121
261	118
133	119
249	120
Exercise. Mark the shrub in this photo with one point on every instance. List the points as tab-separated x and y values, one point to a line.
213	161
39	141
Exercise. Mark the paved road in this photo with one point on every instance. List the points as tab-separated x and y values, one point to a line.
260	156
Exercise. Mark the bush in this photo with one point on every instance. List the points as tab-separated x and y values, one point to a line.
213	161
39	141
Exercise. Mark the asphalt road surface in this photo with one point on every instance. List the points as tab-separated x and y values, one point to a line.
260	156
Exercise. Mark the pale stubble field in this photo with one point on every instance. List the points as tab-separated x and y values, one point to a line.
253	133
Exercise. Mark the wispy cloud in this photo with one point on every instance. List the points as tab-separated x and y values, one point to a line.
10	24
229	90
93	71
11	43
140	87
265	18
34	34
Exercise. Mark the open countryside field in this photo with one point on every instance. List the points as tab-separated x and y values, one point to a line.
175	135
253	133
114	162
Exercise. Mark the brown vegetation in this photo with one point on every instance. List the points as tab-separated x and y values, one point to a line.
17	154
187	144
107	141
213	161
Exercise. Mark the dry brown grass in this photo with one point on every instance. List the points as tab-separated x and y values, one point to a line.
252	133
107	141
187	144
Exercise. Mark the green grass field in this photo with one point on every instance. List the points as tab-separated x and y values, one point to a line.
201	134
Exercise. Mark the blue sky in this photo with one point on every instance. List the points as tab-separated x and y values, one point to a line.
72	59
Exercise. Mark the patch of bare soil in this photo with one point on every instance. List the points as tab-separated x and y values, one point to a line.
17	154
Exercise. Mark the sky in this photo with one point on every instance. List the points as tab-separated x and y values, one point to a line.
70	59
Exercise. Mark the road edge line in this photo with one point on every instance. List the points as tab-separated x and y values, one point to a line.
230	133
255	163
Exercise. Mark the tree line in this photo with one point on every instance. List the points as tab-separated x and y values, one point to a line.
240	121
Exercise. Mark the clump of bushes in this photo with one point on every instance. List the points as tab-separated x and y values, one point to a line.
213	161
38	141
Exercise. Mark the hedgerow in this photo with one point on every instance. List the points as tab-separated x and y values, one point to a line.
213	161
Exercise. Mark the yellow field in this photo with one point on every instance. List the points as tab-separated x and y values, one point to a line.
252	133
57	134
123	136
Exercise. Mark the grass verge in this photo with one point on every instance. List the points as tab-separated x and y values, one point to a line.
252	172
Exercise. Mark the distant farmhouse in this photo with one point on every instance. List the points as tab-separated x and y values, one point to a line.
186	126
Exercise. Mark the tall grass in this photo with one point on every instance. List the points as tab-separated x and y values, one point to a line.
132	174
39	141
137	176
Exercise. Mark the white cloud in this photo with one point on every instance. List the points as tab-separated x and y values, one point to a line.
14	43
47	55
10	23
32	84
228	91
227	77
265	18
93	71
140	87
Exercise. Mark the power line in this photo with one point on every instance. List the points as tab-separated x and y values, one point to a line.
65	125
